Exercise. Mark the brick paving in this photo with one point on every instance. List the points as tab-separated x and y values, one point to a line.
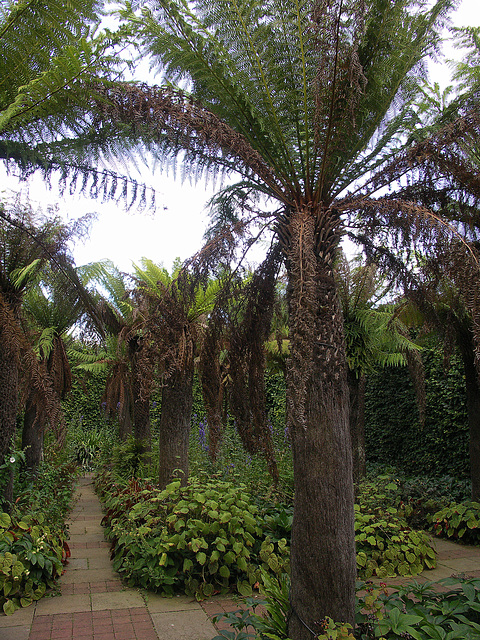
95	605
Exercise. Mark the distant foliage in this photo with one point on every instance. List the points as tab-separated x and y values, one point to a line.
83	405
393	431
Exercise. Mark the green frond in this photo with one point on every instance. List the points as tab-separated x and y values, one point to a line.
51	56
152	277
466	72
45	343
29	273
323	100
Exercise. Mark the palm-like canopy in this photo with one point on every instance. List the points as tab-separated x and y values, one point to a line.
26	244
50	310
120	324
375	337
302	100
306	87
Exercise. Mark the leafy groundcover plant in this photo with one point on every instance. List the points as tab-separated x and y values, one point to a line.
458	521
211	536
32	553
446	610
200	539
31	557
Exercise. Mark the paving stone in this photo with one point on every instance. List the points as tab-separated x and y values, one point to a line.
100	561
15	633
462	565
159	604
190	625
85	538
77	563
63	604
21	617
116	600
437	574
89	575
90	553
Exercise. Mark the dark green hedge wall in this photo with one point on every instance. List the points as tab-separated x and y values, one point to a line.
82	406
392	429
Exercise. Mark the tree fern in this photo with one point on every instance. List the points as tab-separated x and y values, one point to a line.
51	55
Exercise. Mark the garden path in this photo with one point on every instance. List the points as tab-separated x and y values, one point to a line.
94	605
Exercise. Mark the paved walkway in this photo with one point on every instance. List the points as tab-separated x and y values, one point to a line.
94	605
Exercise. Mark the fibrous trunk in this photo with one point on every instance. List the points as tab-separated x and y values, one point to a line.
174	429
141	398
8	405
473	410
356	387
32	435
323	566
125	422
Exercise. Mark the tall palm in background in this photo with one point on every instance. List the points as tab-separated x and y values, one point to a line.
301	100
375	338
25	246
122	324
178	308
51	309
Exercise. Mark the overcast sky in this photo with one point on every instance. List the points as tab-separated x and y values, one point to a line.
177	228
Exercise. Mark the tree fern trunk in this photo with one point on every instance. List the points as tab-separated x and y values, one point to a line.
174	430
323	566
356	387
141	396
473	408
8	405
125	423
32	436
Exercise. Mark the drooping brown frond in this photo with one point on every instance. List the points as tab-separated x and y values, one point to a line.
33	376
153	112
463	269
442	160
117	395
247	359
213	379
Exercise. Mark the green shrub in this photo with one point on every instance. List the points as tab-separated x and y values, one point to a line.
86	445
392	427
199	539
429	611
386	546
48	495
30	560
420	611
460	521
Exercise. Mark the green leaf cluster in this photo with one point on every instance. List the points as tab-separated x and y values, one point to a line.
30	560
446	610
392	427
460	521
201	539
386	546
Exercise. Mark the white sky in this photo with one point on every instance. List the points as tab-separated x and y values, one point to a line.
180	220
